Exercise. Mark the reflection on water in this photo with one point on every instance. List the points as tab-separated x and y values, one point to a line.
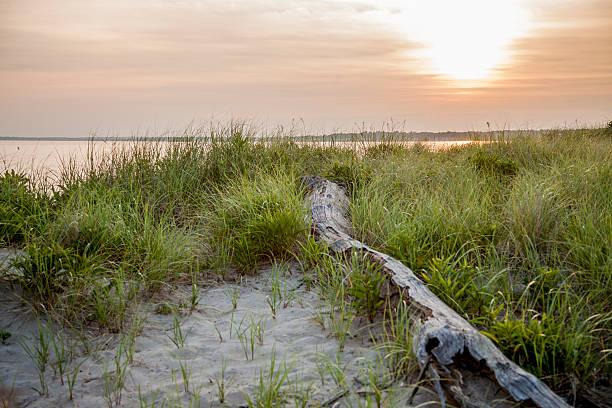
30	156
48	157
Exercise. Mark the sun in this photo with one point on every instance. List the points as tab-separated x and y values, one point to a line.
463	40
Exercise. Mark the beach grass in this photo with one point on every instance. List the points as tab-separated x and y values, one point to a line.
515	234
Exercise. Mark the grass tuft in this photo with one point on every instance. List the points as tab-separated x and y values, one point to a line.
257	220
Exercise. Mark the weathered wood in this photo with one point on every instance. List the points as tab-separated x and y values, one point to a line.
464	362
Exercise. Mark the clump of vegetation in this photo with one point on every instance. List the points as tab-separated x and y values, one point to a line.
366	282
352	174
47	270
515	234
526	261
398	340
163	308
385	149
269	389
493	164
455	283
21	208
257	220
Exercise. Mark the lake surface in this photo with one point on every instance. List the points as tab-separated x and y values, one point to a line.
49	156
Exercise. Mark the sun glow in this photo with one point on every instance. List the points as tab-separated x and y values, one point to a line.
464	40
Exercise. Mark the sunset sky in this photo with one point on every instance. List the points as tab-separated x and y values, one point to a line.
69	67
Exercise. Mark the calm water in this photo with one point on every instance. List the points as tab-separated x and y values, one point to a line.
34	155
48	156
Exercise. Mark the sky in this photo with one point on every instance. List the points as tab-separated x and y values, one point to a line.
72	67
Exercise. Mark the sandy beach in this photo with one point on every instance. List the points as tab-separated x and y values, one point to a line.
216	339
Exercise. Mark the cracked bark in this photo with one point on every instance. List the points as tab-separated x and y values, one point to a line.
463	361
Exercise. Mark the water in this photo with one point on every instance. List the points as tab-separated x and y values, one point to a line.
48	157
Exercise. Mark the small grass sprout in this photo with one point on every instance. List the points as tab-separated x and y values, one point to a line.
37	349
223	383
269	389
176	336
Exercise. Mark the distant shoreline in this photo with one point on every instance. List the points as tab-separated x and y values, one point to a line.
347	136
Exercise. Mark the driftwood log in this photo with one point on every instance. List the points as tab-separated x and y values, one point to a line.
455	356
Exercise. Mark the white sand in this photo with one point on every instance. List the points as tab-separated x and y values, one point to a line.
300	344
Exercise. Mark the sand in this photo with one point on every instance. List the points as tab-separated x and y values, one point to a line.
295	339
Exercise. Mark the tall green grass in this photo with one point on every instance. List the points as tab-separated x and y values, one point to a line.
515	234
23	209
256	220
155	212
